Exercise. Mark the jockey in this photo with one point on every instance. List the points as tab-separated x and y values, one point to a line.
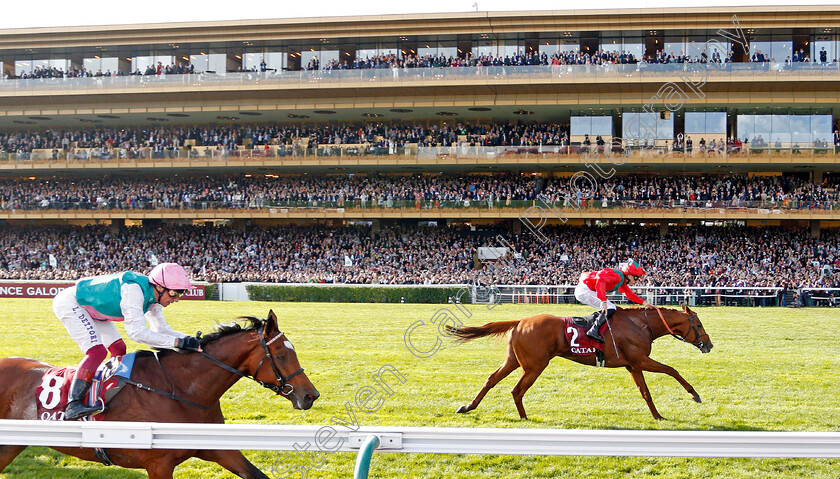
595	285
87	309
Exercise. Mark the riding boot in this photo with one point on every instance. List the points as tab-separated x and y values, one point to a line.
76	408
595	331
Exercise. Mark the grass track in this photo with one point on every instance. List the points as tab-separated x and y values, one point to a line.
783	380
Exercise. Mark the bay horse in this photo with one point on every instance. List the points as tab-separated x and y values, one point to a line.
534	341
259	351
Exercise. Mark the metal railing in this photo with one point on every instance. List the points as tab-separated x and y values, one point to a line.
434	440
633	151
391	75
657	295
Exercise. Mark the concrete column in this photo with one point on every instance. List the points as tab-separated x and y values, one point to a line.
818	176
663	229
517	227
241	224
815	228
117	225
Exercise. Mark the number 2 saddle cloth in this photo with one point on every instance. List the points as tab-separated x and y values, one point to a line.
582	345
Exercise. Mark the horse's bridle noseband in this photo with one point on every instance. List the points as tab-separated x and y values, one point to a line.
284	387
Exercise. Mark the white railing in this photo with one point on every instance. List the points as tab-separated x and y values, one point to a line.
436	440
657	295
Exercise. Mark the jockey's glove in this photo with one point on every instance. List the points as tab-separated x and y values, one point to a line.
188	343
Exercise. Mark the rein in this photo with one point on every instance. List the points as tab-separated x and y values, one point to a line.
284	381
171	395
281	389
671	331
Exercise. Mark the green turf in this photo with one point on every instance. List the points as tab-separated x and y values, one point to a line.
771	369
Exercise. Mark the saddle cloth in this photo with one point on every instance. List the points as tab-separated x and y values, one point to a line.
581	344
51	394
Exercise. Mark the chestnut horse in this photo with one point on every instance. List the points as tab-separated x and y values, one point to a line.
259	352
533	341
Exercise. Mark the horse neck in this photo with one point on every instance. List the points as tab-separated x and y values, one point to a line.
658	327
207	380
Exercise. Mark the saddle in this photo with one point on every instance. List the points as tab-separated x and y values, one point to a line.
109	379
585	322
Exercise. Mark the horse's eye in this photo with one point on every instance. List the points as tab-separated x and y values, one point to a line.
280	357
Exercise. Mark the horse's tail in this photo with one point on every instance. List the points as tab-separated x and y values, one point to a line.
468	333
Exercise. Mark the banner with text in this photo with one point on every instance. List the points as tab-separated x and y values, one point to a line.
49	290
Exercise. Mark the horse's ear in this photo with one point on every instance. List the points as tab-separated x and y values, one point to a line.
271	323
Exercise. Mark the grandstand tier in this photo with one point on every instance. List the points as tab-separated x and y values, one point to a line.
388	149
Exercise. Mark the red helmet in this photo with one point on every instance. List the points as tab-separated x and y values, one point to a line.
632	267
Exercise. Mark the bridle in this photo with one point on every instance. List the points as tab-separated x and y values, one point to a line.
283	387
699	343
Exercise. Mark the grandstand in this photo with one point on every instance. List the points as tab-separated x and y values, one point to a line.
390	149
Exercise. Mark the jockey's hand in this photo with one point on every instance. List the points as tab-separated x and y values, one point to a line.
604	307
188	343
647	305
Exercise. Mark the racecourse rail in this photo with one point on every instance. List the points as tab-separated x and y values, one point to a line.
436	440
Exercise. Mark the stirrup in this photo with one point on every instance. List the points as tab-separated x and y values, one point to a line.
84	411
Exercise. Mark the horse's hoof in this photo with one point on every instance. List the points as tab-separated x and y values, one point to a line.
659	418
462	409
697	398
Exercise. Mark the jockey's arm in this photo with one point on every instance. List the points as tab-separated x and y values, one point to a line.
135	321
631	295
157	323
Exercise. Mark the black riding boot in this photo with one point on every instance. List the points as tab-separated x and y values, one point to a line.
76	408
595	331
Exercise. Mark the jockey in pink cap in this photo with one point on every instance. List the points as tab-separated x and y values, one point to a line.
594	286
88	309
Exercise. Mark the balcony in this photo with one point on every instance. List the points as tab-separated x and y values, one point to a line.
642	72
365	156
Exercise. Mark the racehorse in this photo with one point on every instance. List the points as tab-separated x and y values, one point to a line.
191	385
533	341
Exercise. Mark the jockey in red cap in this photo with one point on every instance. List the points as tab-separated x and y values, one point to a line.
595	285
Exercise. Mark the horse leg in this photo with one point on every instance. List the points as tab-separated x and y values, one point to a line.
161	467
640	382
504	370
529	376
234	462
648	364
8	454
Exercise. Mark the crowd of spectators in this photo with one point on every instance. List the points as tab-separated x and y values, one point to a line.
414	191
399	60
135	142
309	136
685	256
698	192
75	71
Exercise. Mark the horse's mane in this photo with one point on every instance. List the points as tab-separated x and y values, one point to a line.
223	330
233	328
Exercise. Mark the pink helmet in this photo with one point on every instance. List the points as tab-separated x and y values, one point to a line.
170	276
